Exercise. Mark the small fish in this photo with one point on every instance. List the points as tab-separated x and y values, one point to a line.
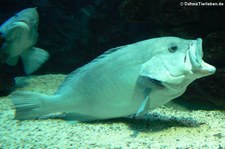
20	35
127	80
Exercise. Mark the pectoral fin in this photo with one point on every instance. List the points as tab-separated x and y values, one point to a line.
144	105
33	58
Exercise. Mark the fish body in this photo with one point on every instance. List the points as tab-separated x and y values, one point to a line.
20	35
126	80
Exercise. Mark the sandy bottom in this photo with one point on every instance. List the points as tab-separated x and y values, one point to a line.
160	128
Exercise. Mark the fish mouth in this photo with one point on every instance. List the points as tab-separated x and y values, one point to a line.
196	55
195	52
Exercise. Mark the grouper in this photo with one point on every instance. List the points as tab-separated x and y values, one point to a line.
20	34
127	80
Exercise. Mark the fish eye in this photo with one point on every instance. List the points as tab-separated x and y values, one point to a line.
172	49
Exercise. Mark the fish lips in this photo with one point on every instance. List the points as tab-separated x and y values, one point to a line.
195	52
196	55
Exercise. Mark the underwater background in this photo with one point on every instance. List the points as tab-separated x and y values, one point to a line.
75	32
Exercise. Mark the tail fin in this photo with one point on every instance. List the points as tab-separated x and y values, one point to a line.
28	105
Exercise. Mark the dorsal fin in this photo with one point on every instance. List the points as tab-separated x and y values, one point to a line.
82	69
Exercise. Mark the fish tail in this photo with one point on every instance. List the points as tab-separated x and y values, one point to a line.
29	105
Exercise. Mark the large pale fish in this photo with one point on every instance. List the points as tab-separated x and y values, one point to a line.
20	35
126	80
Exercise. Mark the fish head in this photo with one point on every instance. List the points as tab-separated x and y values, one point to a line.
176	62
20	32
28	16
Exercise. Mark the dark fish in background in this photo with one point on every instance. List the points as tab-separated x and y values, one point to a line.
18	37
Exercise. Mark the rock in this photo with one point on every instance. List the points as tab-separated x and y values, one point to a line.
7	83
6	79
212	88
